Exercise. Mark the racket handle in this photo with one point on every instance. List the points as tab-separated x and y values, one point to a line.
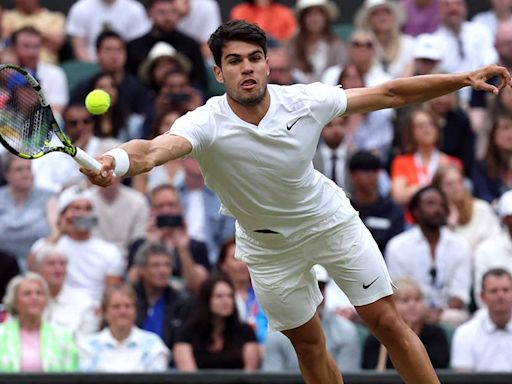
87	161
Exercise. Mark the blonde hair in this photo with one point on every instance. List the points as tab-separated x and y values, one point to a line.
45	251
11	292
127	289
406	283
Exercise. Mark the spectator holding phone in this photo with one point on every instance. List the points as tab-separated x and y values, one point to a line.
167	226
176	94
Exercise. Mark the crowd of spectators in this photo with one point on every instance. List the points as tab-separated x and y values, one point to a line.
142	276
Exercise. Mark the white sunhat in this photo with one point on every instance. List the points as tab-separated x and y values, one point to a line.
70	195
160	50
427	47
361	18
331	7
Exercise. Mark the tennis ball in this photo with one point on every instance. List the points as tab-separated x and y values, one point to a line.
97	102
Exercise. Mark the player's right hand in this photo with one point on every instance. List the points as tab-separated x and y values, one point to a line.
106	176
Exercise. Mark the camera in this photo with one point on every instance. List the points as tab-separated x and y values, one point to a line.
167	221
178	97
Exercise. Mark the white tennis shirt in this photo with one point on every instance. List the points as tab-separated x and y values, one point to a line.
263	174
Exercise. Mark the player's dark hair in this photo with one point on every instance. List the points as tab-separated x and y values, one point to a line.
364	161
236	30
416	198
108	34
496	272
28	29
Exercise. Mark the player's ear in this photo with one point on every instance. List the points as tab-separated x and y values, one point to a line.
217	71
268	66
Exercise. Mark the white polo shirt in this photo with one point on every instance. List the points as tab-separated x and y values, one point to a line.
480	346
264	174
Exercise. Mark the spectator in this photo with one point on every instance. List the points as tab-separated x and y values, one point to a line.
133	95
213	337
315	47
438	260
410	305
27	43
26	211
468	216
381	215
277	20
67	307
483	343
426	57
27	343
421	16
333	150
341	337
458	139
58	171
160	307
93	263
51	26
190	264
465	45
200	19
88	18
415	168
492	175
495	251
122	208
8	269
280	67
249	310
162	58
165	17
122	346
201	208
500	12
169	173
384	18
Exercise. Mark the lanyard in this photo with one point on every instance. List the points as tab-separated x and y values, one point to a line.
425	173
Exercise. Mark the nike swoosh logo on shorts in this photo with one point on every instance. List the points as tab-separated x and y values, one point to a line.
288	127
366	286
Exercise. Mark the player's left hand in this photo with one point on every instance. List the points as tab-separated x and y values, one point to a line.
479	77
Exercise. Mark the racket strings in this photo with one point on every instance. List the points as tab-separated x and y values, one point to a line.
24	122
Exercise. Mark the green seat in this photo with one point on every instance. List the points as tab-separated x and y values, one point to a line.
76	71
343	30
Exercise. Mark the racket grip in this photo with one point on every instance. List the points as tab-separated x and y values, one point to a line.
87	161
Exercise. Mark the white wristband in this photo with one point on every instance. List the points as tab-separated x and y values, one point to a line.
121	160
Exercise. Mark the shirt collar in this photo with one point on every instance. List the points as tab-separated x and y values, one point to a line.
489	326
107	338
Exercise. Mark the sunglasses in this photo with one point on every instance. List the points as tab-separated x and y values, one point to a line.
362	44
74	123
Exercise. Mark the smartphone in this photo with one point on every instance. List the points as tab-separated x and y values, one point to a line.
169	221
85	222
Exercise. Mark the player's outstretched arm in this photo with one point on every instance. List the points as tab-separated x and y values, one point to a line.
138	156
408	90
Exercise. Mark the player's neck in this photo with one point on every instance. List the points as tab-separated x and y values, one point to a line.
252	114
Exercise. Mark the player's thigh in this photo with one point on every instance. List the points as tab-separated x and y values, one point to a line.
354	261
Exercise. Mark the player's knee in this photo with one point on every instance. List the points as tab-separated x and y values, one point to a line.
387	324
310	352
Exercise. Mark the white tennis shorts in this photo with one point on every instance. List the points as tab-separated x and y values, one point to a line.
281	274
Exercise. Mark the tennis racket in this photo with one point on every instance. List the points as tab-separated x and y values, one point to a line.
28	128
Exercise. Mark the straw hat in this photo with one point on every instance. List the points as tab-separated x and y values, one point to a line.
160	50
330	6
361	19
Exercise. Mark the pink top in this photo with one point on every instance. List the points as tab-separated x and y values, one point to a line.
30	351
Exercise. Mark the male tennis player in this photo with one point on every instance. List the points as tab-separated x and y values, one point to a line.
255	145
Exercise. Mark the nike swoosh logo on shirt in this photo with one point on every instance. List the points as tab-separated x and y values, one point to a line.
288	127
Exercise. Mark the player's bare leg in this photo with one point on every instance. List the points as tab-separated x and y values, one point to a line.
404	347
316	364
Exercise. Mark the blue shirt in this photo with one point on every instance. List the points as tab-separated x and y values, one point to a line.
155	318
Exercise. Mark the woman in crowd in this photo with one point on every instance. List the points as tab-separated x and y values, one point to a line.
409	304
170	173
214	337
121	346
493	175
248	307
422	158
384	18
472	218
315	47
27	343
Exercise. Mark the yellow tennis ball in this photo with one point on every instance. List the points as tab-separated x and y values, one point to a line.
97	102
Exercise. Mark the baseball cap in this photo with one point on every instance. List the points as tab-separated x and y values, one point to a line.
71	195
321	273
505	204
427	47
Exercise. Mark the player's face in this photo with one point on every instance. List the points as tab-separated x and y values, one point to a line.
222	302
120	311
497	294
53	269
244	72
30	298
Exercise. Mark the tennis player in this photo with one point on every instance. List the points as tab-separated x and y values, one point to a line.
255	145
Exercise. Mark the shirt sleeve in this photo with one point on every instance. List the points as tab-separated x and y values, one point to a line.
326	101
194	127
76	23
